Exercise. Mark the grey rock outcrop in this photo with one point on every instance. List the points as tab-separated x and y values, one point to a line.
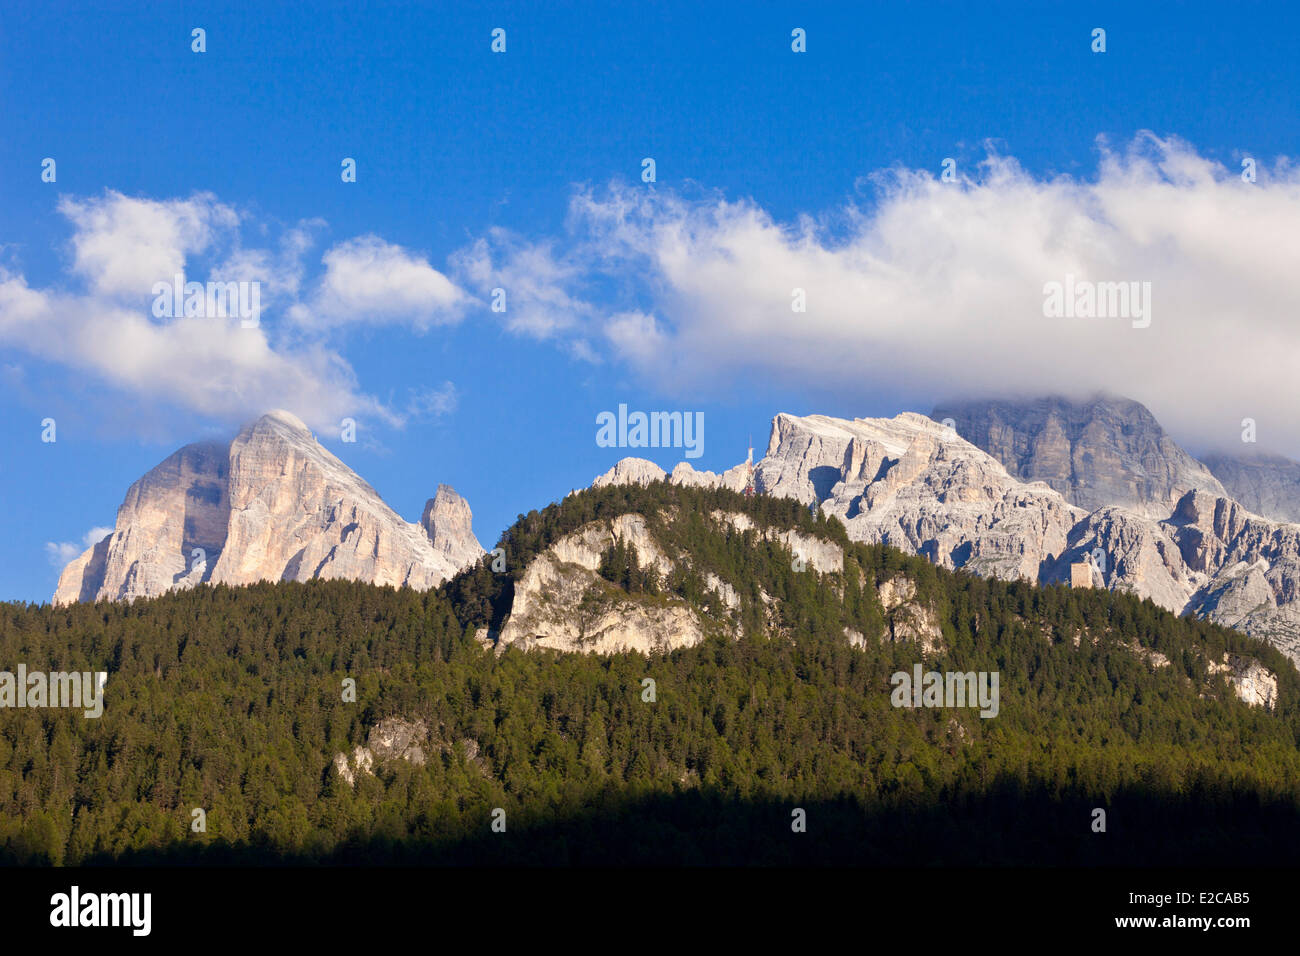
907	619
361	762
393	738
170	528
819	554
641	471
1268	485
733	478
561	603
271	505
806	456
911	483
631	471
1250	680
449	523
1129	553
1103	452
396	739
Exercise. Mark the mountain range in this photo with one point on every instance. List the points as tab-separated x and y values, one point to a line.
332	721
1018	490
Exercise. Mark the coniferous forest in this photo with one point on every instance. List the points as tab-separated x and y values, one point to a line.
230	700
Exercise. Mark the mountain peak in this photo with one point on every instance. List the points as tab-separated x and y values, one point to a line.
279	419
273	504
449	523
1100	451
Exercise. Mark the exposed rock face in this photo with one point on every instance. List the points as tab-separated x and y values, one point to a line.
1098	453
1135	555
1211	558
272	505
639	471
1253	567
178	507
561	602
449	523
631	471
819	554
1236	594
391	739
361	762
1265	484
908	619
806	457
733	478
1251	681
911	483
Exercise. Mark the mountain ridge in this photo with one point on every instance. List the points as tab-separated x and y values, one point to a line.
274	505
913	483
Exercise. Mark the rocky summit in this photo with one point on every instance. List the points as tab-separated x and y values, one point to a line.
1268	485
911	483
271	505
1097	453
640	471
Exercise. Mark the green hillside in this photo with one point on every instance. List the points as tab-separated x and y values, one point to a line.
230	700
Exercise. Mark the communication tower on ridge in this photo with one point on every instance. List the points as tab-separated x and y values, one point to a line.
749	470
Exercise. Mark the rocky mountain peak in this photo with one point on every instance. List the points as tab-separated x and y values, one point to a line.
448	522
279	416
272	504
1097	452
1266	484
631	471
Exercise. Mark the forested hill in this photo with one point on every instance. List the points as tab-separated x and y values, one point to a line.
233	701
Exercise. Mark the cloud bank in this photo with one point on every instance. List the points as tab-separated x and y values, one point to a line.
926	291
937	289
122	247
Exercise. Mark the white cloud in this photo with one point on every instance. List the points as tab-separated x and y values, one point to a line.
124	245
368	280
212	366
61	552
430	403
635	336
535	279
209	366
937	290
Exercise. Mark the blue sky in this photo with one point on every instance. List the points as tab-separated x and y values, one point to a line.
522	170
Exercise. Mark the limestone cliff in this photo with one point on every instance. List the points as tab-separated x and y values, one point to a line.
561	603
1102	452
912	483
1268	485
272	505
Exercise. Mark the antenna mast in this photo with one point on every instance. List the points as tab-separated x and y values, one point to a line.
749	470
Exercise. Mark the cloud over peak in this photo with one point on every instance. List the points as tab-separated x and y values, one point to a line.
938	287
